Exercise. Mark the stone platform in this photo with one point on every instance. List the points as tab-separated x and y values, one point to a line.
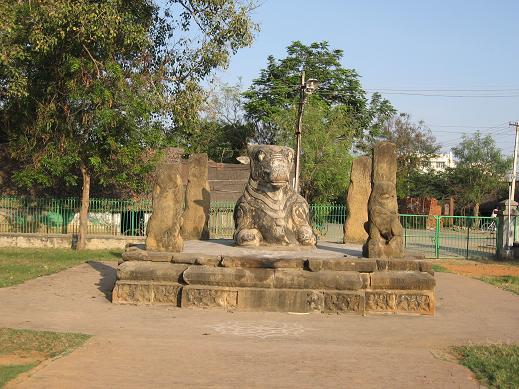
214	274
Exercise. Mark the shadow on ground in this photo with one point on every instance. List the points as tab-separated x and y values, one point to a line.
107	281
342	250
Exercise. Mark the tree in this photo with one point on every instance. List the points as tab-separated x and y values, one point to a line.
415	147
85	87
337	117
480	170
276	90
222	131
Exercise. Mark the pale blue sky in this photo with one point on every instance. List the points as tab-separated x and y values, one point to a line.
411	45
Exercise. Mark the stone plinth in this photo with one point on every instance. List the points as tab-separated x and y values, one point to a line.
281	281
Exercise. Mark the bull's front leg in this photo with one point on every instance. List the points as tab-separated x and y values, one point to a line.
245	232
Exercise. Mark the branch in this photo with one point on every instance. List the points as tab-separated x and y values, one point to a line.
94	61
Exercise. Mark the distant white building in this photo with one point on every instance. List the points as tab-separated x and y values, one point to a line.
441	162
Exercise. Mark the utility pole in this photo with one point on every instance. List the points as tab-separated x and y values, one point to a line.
514	174
298	130
306	88
511	192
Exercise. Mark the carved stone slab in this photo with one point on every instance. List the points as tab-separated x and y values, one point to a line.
385	230
198	199
357	201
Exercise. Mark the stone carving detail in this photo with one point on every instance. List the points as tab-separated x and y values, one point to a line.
198	199
339	302
163	230
384	228
357	201
414	303
380	301
270	212
206	298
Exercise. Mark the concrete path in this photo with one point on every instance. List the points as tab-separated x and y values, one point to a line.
158	346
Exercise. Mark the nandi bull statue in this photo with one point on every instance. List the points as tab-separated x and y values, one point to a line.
270	211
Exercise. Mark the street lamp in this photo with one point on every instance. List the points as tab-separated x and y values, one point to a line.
305	88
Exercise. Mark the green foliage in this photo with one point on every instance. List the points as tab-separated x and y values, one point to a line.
326	142
222	131
80	90
337	117
29	343
480	170
415	147
495	366
9	372
276	90
92	84
510	283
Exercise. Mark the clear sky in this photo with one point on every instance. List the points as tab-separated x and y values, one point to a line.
436	47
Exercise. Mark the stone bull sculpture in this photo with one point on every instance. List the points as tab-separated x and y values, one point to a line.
270	211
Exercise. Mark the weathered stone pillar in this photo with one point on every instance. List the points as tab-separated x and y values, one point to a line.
506	227
385	230
198	199
163	230
357	201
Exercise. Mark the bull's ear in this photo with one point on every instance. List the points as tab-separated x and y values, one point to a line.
243	159
289	154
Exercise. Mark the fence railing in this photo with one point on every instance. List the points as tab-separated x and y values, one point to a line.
127	217
451	236
434	236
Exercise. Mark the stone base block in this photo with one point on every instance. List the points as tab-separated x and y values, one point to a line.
400	301
209	297
146	292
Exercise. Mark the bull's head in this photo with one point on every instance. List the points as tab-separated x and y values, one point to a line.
270	164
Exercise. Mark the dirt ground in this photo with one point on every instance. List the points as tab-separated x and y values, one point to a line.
478	269
164	346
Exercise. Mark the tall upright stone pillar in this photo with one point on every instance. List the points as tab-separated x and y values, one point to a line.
357	201
163	230
385	230
198	199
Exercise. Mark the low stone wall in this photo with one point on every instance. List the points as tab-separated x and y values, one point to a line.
94	242
302	283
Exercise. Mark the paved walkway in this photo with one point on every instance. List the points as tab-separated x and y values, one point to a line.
158	346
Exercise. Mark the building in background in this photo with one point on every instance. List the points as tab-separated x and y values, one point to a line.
440	163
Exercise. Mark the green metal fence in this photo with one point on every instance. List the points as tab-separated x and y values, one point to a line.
127	217
434	236
61	216
450	236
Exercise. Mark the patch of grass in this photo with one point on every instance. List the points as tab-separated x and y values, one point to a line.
19	265
439	268
7	373
510	283
28	344
496	366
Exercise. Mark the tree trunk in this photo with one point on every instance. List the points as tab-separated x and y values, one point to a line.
83	213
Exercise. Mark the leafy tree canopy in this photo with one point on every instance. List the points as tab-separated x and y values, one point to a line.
277	90
480	170
415	147
86	86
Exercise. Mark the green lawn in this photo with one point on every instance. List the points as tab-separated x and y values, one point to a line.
439	268
33	347
19	265
510	283
495	366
